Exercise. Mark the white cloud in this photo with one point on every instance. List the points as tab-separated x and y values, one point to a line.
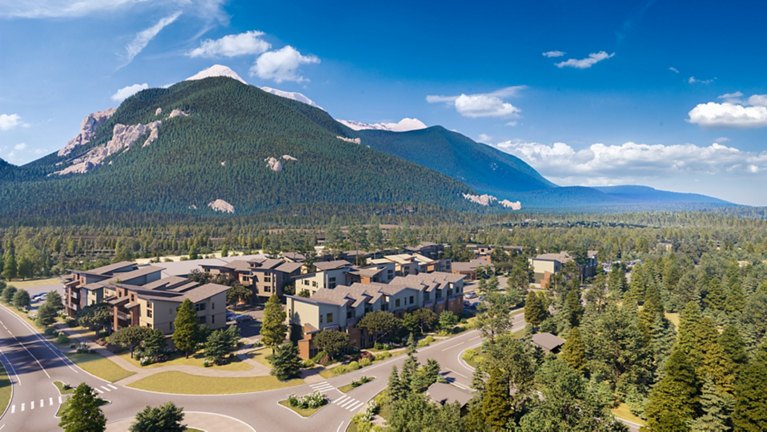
735	97
673	69
282	65
733	112
45	9
758	100
128	91
142	38
10	121
232	45
612	164
20	146
553	54
482	104
484	138
693	80
587	62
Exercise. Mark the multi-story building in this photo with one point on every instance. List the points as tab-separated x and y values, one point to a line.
545	266
341	308
328	275
266	276
82	288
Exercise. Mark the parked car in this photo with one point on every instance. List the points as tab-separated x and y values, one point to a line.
230	316
243	318
470	295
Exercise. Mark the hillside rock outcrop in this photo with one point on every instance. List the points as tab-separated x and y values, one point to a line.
88	127
222	206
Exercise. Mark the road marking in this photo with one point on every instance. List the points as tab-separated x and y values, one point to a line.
47	344
349	403
22	407
13	409
10	366
106	388
112	387
460	386
356	406
458	373
340	426
30	352
342	398
50	401
453	346
59	400
99	390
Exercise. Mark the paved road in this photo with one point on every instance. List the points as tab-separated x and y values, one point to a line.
33	364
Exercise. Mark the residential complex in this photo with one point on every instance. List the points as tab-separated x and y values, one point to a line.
547	265
343	306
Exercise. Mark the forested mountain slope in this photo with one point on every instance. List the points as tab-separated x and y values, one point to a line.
213	139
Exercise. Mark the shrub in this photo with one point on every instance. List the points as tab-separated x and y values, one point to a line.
365	362
62	338
51	331
425	341
353	366
363	380
383	355
312	400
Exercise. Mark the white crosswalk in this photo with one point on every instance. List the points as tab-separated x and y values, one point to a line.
51	401
322	387
348	403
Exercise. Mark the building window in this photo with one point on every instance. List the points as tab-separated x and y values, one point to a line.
330	318
199	307
149	313
212	305
149	325
426	297
201	320
396	303
314	284
212	319
412	299
350	314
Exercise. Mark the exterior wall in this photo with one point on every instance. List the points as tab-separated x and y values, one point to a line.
93	297
301	313
160	314
268	282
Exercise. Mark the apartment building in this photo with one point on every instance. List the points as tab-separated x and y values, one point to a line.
341	308
265	276
328	275
82	288
545	266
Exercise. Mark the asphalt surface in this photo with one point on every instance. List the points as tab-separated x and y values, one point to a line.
33	365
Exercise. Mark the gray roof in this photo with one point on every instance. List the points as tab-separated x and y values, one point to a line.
446	393
128	276
331	265
289	267
562	257
109	269
548	341
473	265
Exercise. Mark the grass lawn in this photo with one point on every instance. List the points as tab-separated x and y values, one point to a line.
623	412
472	357
184	383
99	366
303	412
261	355
60	385
349	387
31	283
5	389
196	360
673	317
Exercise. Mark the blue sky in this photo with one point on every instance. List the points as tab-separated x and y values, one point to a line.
664	93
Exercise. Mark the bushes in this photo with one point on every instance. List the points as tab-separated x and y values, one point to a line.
312	400
62	338
365	362
425	341
363	380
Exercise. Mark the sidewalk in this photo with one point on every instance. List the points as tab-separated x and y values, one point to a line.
207	422
258	369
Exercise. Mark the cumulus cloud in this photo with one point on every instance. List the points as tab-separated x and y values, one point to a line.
282	65
733	112
630	161
142	38
233	45
587	62
482	104
10	121
128	91
553	54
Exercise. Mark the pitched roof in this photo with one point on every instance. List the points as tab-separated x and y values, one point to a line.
109	269
473	265
562	257
446	393
289	267
331	265
548	341
128	276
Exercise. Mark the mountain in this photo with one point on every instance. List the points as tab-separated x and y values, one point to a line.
480	166
404	125
296	96
213	144
216	71
7	171
646	193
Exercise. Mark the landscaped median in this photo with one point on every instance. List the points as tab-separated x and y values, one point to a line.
307	405
196	360
6	389
184	383
99	366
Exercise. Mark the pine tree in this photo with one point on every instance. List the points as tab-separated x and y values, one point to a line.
273	327
535	310
496	402
733	346
573	307
396	389
82	411
186	333
9	262
285	361
672	402
750	410
714	407
574	351
165	418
